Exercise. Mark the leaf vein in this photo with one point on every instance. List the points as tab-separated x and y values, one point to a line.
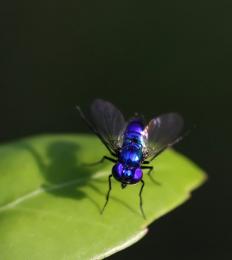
41	190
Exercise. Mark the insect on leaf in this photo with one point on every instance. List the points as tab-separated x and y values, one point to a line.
50	203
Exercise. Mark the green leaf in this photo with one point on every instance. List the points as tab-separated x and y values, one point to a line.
50	203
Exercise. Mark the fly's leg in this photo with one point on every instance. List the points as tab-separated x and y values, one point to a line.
149	174
141	200
148	167
146	162
108	193
101	161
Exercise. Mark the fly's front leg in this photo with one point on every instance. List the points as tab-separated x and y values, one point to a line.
108	193
141	199
101	161
150	169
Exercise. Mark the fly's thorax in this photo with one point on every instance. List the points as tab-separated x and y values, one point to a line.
131	155
133	142
127	175
133	138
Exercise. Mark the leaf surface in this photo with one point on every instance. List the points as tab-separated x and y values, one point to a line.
50	201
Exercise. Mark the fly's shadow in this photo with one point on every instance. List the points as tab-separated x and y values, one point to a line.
65	173
62	170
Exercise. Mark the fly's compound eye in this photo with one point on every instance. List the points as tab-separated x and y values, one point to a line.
127	175
138	174
117	171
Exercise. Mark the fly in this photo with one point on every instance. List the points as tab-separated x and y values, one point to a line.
133	144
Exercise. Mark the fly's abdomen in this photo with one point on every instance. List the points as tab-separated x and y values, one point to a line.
131	153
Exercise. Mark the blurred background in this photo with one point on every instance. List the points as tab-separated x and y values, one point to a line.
150	57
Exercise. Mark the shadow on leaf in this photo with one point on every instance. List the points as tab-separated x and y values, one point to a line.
65	174
62	170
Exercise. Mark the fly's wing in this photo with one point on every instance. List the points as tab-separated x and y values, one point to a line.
161	133
108	122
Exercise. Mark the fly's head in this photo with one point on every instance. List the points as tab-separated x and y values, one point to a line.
127	175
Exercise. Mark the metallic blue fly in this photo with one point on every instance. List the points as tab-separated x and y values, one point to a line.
133	144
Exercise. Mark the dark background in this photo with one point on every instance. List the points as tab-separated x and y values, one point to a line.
145	56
